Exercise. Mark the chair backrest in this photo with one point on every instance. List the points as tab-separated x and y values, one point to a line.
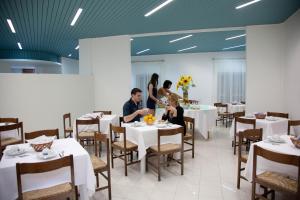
277	114
9	120
251	135
102	138
169	132
67	116
243	102
189	123
221	106
42	167
105	112
293	123
49	132
243	121
239	114
18	126
117	130
79	122
275	157
121	119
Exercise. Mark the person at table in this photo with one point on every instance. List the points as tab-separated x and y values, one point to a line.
152	94
165	90
174	112
131	109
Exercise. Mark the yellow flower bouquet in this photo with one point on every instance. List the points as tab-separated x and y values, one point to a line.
185	82
149	119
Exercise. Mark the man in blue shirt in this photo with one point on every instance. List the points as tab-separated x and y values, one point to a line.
131	111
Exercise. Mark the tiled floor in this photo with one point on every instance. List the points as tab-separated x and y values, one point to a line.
211	175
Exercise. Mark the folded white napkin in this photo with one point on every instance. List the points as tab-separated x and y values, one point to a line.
93	115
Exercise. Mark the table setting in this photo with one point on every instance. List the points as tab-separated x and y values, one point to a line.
44	149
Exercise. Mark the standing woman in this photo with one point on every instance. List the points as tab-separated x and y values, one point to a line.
152	93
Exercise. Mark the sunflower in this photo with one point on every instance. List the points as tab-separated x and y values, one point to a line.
190	78
185	81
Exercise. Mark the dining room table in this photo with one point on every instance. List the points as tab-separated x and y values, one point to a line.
83	170
270	125
105	121
285	147
146	136
236	107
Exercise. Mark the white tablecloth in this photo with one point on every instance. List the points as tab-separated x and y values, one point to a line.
266	165
12	133
105	121
236	107
83	171
278	127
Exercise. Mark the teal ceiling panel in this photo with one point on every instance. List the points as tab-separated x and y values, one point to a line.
31	55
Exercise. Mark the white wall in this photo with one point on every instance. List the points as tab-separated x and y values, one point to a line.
40	100
41	67
108	60
69	66
199	65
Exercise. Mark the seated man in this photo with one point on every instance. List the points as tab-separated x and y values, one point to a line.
131	111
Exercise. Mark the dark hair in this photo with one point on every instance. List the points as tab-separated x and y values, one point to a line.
153	80
167	83
135	90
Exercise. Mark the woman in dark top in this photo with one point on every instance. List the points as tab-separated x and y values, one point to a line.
174	112
152	93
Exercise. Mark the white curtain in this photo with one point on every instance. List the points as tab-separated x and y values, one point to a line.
230	77
142	81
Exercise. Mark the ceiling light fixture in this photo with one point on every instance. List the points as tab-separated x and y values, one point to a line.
77	47
20	46
187	36
70	55
193	47
247	4
234	37
233	47
158	8
142	51
131	39
11	26
76	16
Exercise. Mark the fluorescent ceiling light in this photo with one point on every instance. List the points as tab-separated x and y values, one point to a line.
158	8
11	26
233	47
142	51
187	36
70	55
77	47
234	37
76	16
247	4
193	47
19	45
131	39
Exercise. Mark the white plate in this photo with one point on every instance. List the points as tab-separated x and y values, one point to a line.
51	154
13	152
276	140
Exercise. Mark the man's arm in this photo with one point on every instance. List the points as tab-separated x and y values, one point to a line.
130	117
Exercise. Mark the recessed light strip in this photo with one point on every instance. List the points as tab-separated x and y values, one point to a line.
187	36
11	26
247	4
77	47
76	16
234	37
233	47
193	47
158	8
142	51
20	46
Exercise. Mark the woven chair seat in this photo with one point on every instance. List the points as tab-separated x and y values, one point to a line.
86	134
166	148
9	141
97	163
129	145
188	136
69	129
279	181
48	193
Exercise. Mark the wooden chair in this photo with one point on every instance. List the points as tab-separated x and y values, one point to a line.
105	112
35	134
125	147
239	114
86	136
99	165
189	137
9	120
291	124
223	116
121	120
277	114
251	135
68	130
166	149
273	180
62	191
242	121
11	140
243	102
